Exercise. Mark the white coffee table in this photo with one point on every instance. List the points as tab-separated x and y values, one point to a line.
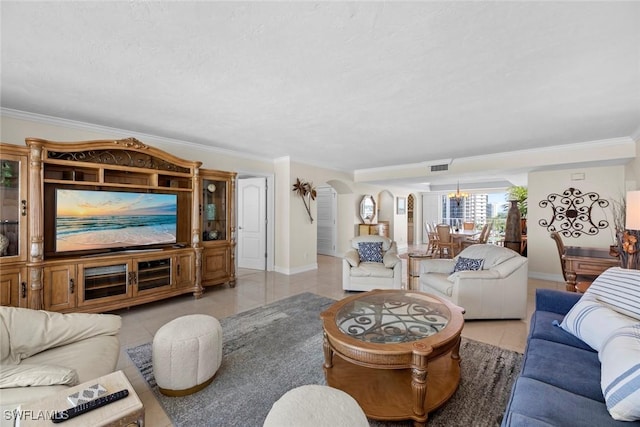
125	412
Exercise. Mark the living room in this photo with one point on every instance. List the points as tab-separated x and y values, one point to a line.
552	106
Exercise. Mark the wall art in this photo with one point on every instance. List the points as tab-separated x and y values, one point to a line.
572	213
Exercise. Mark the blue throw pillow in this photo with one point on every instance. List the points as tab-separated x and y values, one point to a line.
370	251
464	264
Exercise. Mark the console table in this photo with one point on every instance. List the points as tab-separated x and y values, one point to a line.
380	229
586	262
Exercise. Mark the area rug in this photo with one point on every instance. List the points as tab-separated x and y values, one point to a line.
272	349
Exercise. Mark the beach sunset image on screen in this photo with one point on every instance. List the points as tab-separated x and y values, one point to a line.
92	219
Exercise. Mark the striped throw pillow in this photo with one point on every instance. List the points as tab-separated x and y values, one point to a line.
619	289
620	376
594	322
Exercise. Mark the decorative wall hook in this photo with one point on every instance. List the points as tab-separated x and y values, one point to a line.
571	213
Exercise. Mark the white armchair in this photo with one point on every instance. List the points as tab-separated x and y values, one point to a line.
491	285
372	262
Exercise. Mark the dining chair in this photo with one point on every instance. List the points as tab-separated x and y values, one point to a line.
432	236
468	225
445	240
482	238
582	283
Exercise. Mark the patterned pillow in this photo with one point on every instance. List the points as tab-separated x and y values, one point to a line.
619	289
620	373
370	251
594	322
464	264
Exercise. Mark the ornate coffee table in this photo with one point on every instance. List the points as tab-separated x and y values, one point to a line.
398	352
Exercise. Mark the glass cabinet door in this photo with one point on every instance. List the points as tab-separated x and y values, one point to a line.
12	205
214	210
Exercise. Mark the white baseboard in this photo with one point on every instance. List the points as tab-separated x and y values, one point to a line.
546	276
302	269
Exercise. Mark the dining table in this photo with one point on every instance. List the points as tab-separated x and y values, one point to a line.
464	234
460	235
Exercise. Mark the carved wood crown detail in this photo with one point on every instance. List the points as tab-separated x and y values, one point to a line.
131	142
119	157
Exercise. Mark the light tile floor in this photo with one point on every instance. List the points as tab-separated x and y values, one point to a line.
257	288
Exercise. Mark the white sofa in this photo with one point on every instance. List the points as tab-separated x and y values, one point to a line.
359	275
497	291
43	352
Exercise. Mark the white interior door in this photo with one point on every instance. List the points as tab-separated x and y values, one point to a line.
252	223
327	212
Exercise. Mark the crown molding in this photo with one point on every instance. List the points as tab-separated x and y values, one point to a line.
518	153
90	127
636	135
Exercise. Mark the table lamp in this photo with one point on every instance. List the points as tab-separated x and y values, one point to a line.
633	210
632	233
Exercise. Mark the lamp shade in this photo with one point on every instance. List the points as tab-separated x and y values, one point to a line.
633	210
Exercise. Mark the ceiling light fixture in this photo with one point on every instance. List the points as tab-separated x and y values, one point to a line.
457	196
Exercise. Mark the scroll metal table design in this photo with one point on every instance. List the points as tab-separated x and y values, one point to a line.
397	352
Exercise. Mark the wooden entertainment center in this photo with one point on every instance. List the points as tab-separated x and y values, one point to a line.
38	271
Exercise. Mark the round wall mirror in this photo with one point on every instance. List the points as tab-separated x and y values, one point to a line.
367	209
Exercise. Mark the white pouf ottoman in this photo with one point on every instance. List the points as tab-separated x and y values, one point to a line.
316	406
186	353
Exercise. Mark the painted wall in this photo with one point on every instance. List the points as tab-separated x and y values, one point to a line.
294	235
303	237
632	171
282	169
431	210
607	182
296	238
347	213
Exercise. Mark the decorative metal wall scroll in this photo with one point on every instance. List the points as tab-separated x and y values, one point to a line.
571	213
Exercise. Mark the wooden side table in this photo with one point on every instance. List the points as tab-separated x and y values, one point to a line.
121	413
396	352
413	269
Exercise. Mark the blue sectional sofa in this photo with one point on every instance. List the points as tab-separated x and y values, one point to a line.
559	384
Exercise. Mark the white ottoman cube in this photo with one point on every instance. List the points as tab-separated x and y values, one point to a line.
186	353
316	406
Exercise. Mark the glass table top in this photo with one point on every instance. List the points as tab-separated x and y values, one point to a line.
392	318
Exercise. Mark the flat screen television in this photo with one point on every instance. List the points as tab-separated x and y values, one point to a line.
97	220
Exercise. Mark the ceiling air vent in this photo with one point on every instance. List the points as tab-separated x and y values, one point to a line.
438	168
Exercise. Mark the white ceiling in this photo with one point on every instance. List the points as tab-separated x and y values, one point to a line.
345	85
